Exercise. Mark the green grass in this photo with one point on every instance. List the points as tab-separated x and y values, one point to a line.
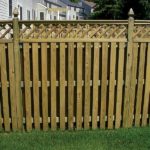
121	139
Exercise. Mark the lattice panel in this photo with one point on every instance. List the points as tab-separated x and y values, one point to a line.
142	31
6	31
72	31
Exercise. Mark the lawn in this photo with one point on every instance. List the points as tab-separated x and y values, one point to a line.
121	139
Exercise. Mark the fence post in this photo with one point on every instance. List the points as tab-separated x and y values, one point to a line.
17	69
127	103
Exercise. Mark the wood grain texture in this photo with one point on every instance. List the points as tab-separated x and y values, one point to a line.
70	84
27	86
79	86
87	85
35	85
128	75
17	60
128	72
140	84
12	89
62	86
53	86
119	85
44	86
133	83
5	100
95	85
147	89
112	85
103	85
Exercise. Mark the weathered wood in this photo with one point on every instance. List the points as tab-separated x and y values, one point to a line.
87	85
103	85
62	86
44	86
119	85
140	85
112	85
53	77
70	84
17	63
26	52
35	85
133	83
12	83
53	86
147	89
5	103
95	85
79	86
128	72
74	40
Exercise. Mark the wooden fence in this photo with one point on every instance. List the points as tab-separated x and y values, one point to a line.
74	74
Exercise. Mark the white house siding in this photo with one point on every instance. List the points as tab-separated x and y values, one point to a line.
4	9
26	5
37	6
40	8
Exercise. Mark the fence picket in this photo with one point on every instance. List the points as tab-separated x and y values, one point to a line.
53	86
95	85
70	84
147	89
35	85
111	85
79	86
5	100
119	85
140	84
62	86
12	83
26	52
103	85
87	85
133	82
44	86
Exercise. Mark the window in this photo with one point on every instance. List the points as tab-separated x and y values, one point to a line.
74	8
10	8
28	14
20	13
55	17
41	15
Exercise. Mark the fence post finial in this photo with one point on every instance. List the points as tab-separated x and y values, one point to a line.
15	12
131	13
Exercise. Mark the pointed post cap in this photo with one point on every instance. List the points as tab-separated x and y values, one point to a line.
131	13
15	12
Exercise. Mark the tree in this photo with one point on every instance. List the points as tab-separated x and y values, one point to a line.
74	1
118	9
108	9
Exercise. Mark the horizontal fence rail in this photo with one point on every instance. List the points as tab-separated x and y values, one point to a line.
74	74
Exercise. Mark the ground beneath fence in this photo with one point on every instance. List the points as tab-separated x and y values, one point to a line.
124	139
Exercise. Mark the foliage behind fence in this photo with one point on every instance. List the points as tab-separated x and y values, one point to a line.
74	74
